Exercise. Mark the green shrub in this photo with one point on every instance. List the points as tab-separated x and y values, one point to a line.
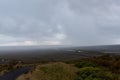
85	64
92	73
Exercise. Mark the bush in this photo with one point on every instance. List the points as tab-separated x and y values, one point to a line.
85	64
91	73
115	67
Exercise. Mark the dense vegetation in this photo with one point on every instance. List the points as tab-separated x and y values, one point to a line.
96	68
99	68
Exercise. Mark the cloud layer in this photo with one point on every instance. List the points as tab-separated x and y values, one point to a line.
59	22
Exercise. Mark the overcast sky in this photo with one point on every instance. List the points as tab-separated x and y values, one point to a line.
59	22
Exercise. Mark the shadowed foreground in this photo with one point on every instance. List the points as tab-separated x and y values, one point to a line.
14	74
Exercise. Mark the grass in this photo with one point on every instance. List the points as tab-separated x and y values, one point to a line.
53	71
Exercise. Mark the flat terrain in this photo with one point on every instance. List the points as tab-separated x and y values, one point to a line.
34	54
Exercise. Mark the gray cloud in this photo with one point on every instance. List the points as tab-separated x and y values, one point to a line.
63	22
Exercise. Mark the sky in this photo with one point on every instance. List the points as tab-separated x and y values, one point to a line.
59	22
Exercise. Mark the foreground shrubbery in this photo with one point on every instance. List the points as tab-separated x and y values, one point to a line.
92	73
97	68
